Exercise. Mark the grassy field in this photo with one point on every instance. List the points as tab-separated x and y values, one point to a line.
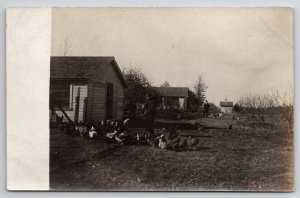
251	156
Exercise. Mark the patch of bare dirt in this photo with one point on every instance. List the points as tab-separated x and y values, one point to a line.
248	157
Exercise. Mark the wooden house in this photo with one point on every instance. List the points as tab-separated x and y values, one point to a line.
172	97
226	106
86	88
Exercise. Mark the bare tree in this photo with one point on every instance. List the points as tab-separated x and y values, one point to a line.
288	114
259	105
66	46
248	104
241	102
284	101
256	105
263	103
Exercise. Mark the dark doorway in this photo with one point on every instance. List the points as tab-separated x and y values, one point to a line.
85	109
109	100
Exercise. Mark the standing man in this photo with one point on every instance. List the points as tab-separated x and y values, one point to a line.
206	109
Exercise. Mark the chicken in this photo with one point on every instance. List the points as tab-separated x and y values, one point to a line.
115	136
192	142
149	138
162	142
174	132
182	143
123	135
59	119
69	129
174	143
138	138
119	140
111	135
82	130
125	123
93	133
102	128
162	131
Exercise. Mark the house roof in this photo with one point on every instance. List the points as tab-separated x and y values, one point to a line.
81	67
226	104
172	91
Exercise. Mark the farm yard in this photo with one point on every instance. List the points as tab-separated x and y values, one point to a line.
175	139
252	155
200	105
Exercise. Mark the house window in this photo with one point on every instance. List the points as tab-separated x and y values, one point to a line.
172	102
181	103
60	95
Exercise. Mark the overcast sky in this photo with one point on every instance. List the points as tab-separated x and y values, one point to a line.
238	51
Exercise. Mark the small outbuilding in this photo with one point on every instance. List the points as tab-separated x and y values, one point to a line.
86	88
172	97
226	106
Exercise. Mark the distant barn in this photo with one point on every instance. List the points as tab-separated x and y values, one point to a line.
226	106
86	88
173	97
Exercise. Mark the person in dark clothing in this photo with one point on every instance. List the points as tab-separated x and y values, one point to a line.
206	109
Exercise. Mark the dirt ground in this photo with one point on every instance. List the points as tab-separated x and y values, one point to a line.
252	156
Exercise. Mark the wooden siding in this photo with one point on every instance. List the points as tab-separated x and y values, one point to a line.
172	103
90	101
83	94
120	103
97	94
98	111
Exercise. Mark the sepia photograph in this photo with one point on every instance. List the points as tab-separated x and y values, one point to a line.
171	99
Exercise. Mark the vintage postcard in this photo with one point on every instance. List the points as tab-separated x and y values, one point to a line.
151	99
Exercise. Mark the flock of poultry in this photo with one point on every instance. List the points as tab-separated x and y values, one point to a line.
118	132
